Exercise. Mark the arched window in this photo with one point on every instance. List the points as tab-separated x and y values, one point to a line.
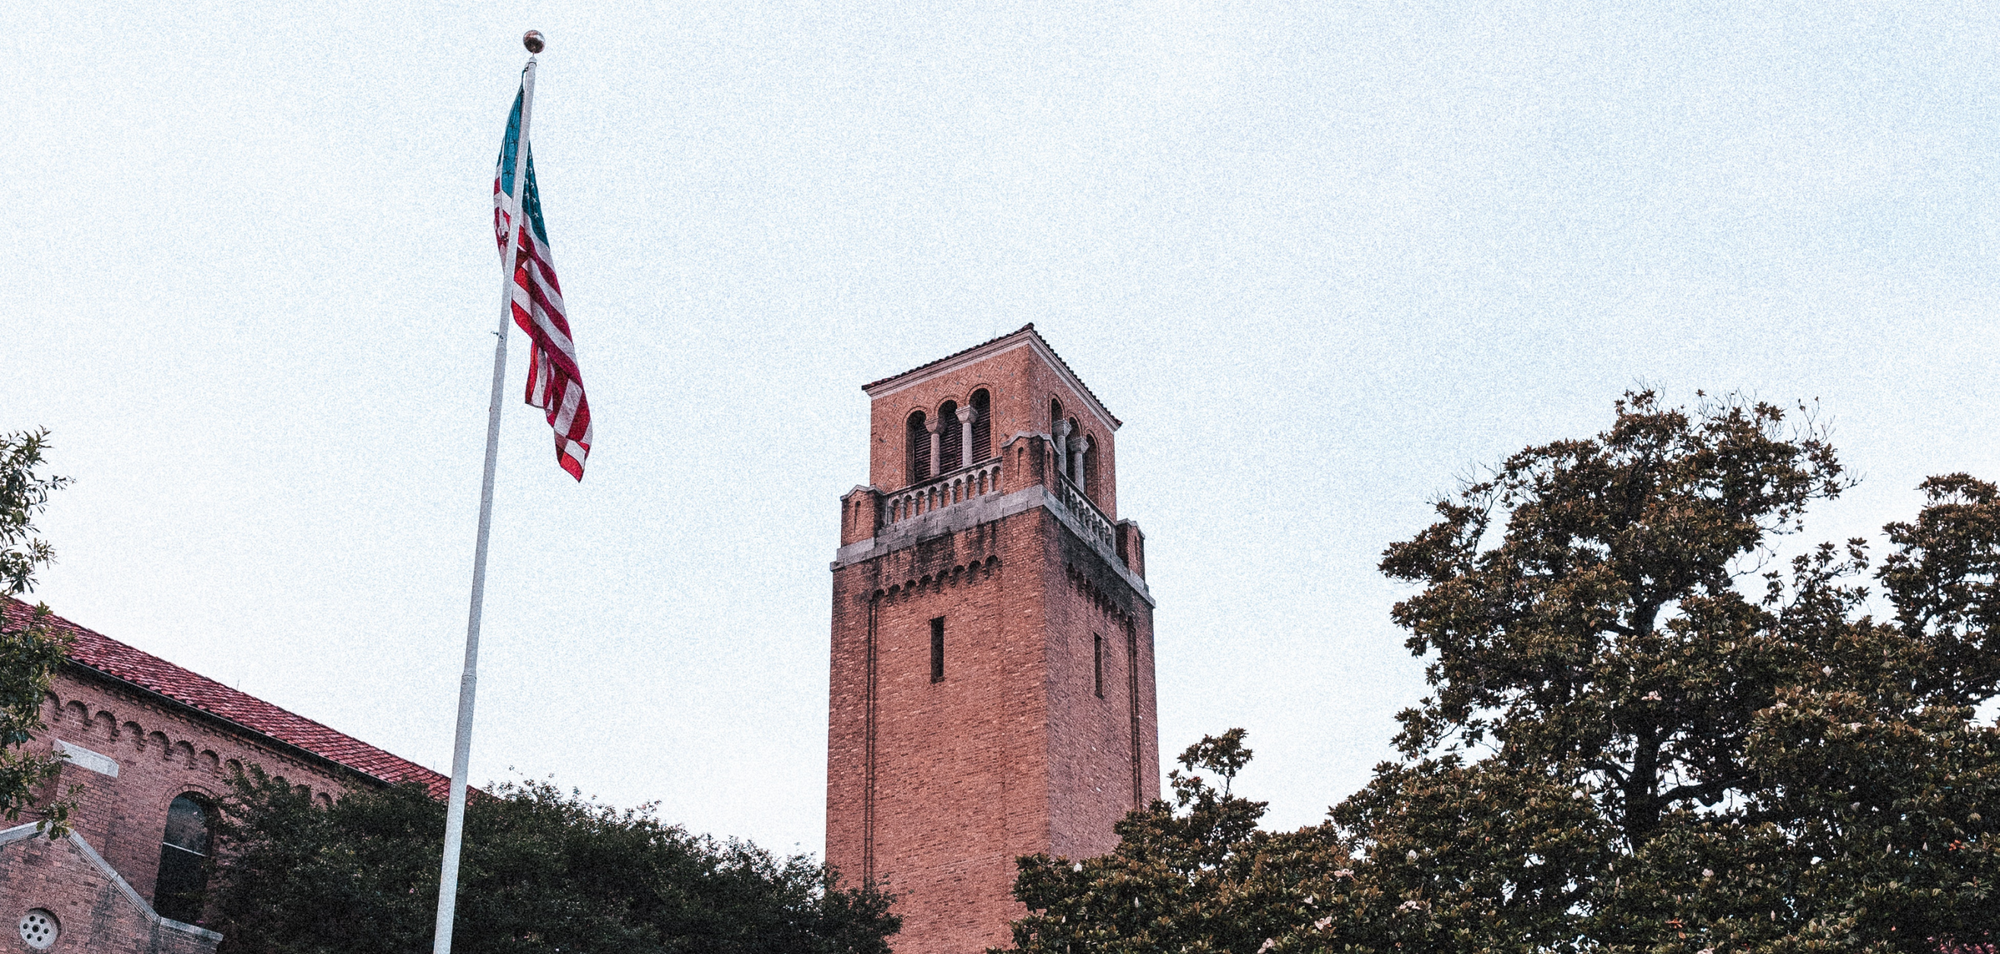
951	439
918	460
182	887
982	426
1055	415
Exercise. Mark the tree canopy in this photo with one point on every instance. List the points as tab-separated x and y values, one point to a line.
542	871
30	649
1647	731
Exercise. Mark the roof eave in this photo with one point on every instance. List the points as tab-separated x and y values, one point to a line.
261	737
1027	332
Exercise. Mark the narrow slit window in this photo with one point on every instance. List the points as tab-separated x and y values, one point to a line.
1097	662
937	649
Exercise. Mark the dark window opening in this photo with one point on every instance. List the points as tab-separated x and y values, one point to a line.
918	459
1055	414
951	438
982	426
1098	662
1089	457
937	649
1072	454
182	887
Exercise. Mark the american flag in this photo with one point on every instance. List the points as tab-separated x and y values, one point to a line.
553	382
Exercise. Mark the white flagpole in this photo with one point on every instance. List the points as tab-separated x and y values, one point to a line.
468	683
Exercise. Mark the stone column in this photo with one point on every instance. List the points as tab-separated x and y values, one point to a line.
965	416
1061	448
937	447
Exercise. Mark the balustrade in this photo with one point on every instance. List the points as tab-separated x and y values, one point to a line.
1094	522
965	483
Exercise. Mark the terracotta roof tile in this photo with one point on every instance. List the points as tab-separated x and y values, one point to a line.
98	652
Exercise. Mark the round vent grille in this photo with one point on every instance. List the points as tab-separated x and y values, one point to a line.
39	929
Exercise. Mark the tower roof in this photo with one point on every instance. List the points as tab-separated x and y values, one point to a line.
100	654
1026	334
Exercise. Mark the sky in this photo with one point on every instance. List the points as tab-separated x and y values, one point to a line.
1326	260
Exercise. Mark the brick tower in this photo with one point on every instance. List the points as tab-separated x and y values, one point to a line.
992	686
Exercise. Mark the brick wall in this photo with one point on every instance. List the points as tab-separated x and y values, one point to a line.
1013	752
94	911
162	750
936	786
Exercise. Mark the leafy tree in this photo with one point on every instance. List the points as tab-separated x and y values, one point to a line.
541	871
1772	769
30	649
1648	733
1195	875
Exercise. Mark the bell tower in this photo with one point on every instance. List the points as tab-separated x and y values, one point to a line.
992	690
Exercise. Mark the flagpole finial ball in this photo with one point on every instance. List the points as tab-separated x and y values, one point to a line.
532	40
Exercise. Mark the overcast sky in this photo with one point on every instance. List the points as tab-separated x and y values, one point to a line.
1323	258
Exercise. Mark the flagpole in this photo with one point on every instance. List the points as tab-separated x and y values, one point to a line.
468	683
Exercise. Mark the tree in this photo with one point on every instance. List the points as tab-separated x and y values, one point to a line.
30	649
1196	875
1648	732
542	871
1770	768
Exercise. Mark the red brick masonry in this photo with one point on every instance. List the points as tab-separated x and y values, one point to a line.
140	732
93	908
934	787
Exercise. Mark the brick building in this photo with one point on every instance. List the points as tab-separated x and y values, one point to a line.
992	687
992	679
153	746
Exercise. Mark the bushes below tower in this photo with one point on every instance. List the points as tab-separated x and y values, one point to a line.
541	871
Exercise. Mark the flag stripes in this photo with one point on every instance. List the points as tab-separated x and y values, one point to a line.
554	383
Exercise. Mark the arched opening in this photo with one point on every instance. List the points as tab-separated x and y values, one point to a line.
1087	466
182	887
951	443
982	426
918	460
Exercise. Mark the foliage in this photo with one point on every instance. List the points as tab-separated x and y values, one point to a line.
1647	732
541	871
1191	876
30	649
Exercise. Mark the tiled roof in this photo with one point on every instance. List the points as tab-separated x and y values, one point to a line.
100	653
1029	329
